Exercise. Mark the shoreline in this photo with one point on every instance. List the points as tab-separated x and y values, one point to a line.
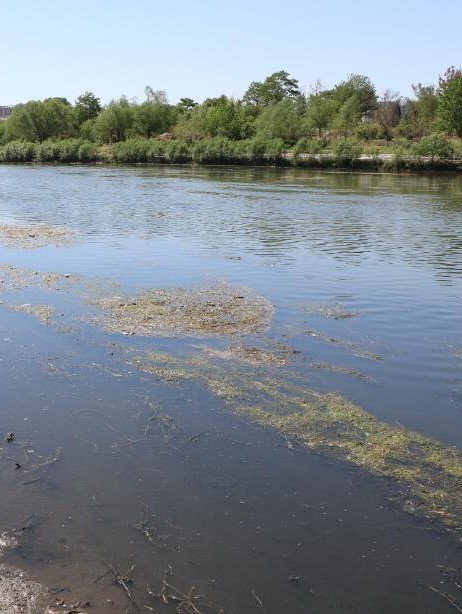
150	152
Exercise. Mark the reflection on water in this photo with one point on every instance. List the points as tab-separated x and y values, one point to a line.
232	509
412	220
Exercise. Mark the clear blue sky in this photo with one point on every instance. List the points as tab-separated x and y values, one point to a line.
202	48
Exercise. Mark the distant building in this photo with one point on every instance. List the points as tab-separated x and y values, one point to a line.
5	111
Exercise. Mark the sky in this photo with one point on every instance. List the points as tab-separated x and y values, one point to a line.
201	48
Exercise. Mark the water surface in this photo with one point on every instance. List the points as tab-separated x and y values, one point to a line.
234	511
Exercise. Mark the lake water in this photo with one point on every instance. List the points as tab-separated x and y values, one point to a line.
253	524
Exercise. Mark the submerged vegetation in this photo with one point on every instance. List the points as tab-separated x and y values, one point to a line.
251	376
426	475
274	122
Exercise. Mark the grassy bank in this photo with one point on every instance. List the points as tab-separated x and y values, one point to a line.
344	154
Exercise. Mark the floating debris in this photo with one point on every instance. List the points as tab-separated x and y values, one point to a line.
35	235
221	309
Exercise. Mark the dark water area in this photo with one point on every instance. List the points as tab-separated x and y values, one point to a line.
254	525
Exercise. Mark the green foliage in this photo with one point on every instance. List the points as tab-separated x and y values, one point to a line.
434	147
346	152
186	105
320	112
153	118
348	116
86	130
3	132
359	88
227	118
280	121
217	150
274	88
131	150
421	113
309	146
369	131
40	120
87	107
114	123
450	105
88	152
65	151
216	117
17	151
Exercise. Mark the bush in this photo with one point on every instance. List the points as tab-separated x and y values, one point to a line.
132	151
347	152
369	131
17	151
88	152
217	150
434	147
177	151
309	146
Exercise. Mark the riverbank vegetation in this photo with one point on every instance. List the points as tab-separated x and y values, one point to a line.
275	123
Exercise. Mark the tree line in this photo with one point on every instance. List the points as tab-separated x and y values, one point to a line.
273	113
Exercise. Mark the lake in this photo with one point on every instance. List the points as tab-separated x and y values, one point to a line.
129	480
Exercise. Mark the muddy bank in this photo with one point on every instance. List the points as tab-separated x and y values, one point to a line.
34	235
18	595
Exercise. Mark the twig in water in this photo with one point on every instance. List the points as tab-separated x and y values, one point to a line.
48	461
123	580
258	600
447	598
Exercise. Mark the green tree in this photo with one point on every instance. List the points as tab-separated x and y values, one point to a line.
420	113
186	105
280	121
320	112
274	88
348	115
359	87
450	101
38	120
152	118
114	122
87	106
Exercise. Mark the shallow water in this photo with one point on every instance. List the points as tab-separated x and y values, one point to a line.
232	509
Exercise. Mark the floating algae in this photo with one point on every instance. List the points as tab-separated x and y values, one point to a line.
41	312
221	309
426	473
278	355
34	235
337	369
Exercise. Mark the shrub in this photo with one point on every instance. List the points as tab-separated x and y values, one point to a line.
17	151
309	146
132	150
346	152
434	147
88	152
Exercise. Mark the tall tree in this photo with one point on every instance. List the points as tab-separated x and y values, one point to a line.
450	101
87	106
38	120
361	88
274	88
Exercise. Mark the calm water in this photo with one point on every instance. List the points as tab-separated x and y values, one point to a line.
234	512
